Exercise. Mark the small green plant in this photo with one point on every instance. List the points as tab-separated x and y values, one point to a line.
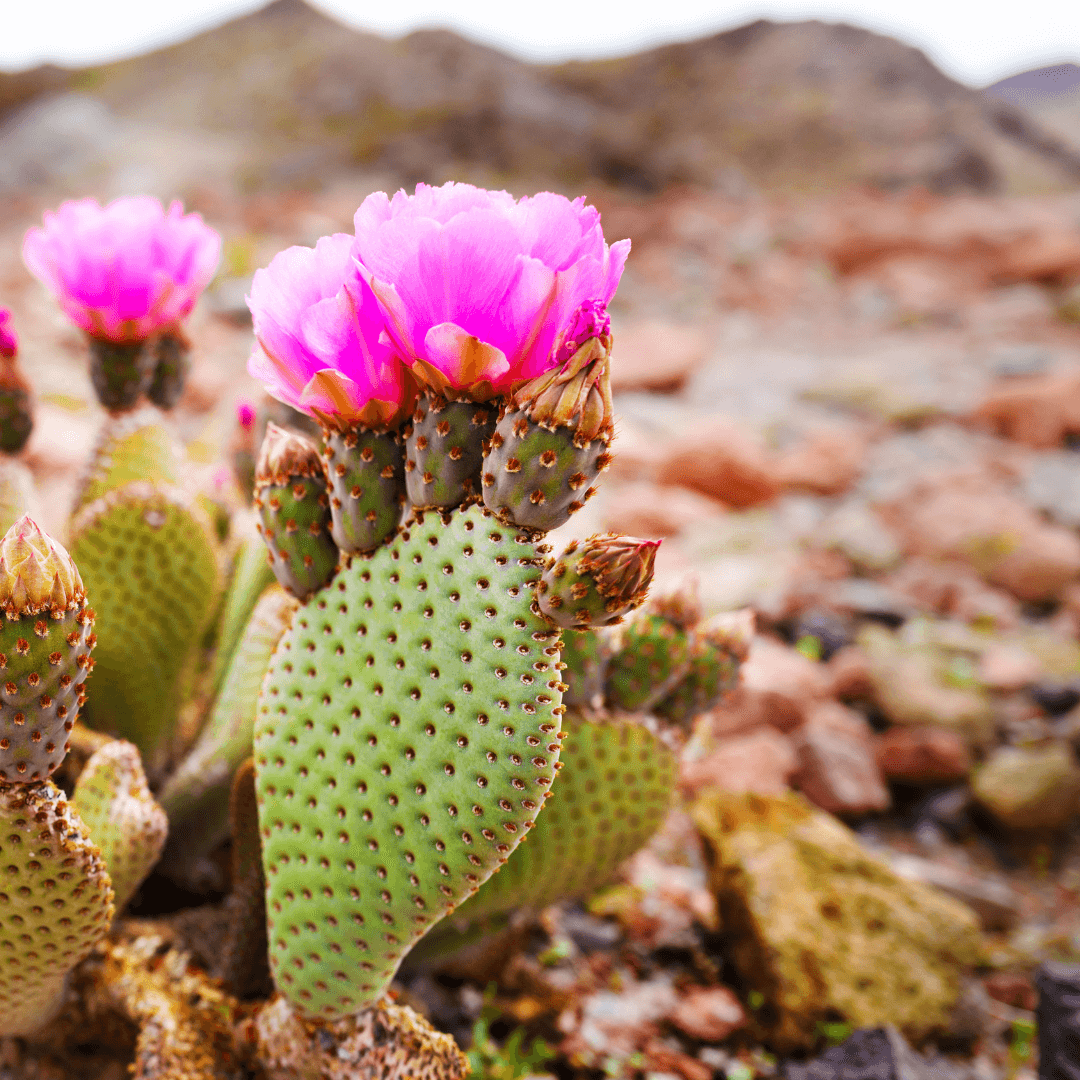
514	1059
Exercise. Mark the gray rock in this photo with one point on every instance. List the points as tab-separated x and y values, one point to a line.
1052	483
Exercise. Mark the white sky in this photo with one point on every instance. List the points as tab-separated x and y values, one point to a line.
974	42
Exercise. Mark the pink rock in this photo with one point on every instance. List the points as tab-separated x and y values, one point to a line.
1007	667
972	519
1037	410
826	463
648	510
951	588
850	672
772	665
708	1013
761	762
837	769
721	460
654	355
922	755
746	710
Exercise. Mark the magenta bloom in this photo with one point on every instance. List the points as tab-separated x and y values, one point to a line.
479	288
9	343
125	271
320	342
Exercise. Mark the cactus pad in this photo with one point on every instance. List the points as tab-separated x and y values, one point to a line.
294	510
172	355
126	823
407	732
151	563
131	446
366	471
653	654
585	654
444	450
120	371
611	795
56	901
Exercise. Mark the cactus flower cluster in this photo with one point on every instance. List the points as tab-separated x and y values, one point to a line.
363	681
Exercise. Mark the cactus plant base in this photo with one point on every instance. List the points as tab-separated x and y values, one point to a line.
406	737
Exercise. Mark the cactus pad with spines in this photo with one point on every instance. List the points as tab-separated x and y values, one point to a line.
585	654
121	371
196	794
612	794
294	511
46	634
172	355
407	732
16	408
56	901
115	804
366	472
131	446
152	564
444	450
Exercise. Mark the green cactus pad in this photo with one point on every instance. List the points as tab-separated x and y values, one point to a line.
611	795
56	901
196	795
16	417
712	673
366	470
653	654
151	563
132	446
251	576
407	732
121	371
444	449
586	654
126	823
537	476
44	662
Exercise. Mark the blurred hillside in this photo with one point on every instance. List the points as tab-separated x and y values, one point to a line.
288	98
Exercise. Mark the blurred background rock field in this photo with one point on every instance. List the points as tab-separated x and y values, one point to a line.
847	379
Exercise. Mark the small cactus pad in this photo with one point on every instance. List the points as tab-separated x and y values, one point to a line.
244	966
56	901
121	371
384	1042
585	654
444	449
294	508
46	634
172	356
552	443
611	795
717	649
249	578
152	564
126	823
652	655
196	794
407	731
366	470
598	581
16	408
131	446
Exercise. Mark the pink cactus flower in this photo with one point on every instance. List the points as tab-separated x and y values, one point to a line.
320	345
479	289
9	342
124	271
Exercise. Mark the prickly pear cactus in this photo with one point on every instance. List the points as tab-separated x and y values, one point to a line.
444	450
586	654
121	372
131	446
366	472
152	564
196	794
16	411
613	792
406	738
46	635
294	511
56	901
114	802
172	355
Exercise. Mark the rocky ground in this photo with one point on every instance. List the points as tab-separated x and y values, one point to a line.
858	416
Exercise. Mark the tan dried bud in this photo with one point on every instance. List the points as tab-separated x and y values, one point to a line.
680	606
36	572
284	454
621	567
